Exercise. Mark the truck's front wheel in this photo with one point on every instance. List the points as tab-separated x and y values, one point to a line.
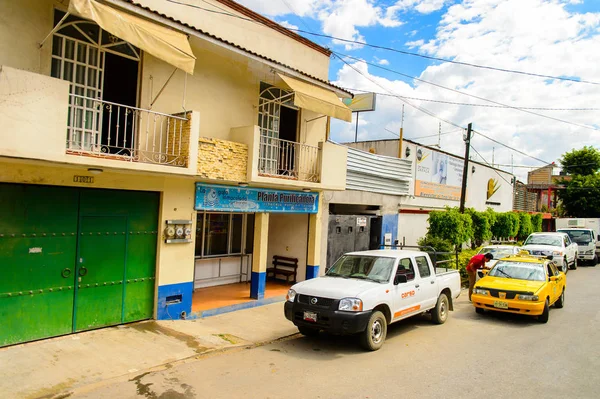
439	314
308	331
374	335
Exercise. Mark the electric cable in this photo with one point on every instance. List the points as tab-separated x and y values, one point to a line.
379	47
488	164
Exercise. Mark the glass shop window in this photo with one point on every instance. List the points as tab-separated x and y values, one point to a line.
219	234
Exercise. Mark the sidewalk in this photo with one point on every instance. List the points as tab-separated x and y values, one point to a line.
51	368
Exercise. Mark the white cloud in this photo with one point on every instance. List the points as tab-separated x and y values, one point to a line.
288	25
422	6
415	43
383	62
500	33
339	18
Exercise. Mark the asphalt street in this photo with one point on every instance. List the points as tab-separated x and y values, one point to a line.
470	356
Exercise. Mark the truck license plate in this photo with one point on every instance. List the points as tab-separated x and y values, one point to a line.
501	304
310	316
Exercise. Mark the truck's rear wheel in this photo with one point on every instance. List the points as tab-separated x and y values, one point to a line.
374	335
566	266
595	261
574	266
439	314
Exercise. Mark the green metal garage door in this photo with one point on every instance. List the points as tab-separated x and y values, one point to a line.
74	259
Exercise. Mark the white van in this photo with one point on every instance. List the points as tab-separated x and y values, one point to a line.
586	241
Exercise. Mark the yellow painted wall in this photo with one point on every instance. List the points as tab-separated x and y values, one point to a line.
252	36
288	236
174	261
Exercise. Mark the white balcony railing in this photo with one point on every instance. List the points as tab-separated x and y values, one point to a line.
288	159
104	129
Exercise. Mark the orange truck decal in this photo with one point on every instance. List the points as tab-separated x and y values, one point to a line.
406	311
408	294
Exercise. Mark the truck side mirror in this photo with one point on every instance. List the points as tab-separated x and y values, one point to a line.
400	279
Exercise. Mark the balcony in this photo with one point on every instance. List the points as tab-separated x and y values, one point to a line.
288	160
98	128
42	120
254	158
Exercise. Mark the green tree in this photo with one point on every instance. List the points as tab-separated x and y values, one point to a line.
515	223
536	222
451	225
581	196
585	161
525	225
482	228
504	225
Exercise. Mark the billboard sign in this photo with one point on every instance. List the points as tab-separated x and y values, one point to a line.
438	175
361	102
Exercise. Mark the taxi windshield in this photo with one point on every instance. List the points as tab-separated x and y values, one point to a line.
374	268
519	270
541	239
498	253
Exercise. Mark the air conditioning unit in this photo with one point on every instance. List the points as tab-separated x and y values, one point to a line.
576	223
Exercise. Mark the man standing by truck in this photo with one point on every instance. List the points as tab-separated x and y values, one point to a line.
476	262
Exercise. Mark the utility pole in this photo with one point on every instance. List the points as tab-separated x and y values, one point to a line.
356	132
493	151
439	135
401	134
463	190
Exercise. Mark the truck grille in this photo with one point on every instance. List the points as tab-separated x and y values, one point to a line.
509	294
323	303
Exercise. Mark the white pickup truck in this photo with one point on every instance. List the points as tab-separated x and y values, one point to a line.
364	292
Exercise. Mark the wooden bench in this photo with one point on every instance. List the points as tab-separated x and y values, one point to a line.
284	266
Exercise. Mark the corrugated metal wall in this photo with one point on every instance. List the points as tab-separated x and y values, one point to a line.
378	173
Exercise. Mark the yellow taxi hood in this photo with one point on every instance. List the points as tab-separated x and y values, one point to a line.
509	284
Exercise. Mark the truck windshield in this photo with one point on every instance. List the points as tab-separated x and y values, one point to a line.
583	237
498	253
519	270
374	268
544	240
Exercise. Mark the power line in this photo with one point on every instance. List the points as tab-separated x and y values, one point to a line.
356	42
512	148
488	164
340	56
469	104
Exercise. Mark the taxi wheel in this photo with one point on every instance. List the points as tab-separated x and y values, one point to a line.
543	318
439	314
308	331
374	335
561	300
479	310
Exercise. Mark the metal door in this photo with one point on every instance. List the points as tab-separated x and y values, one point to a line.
100	271
38	241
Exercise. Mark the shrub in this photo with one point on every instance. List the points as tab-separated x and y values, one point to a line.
536	221
451	225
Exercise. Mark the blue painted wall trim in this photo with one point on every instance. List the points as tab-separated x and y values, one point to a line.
312	271
173	311
258	283
238	306
389	225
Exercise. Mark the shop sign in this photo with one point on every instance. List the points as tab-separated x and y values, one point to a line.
361	221
217	198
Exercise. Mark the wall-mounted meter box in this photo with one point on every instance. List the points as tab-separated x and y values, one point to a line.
178	231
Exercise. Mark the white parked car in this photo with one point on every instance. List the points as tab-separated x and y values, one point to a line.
586	243
558	245
499	252
363	292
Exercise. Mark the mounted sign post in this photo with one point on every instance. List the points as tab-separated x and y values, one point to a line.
364	102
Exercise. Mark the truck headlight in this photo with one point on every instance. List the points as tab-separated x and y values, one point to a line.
528	297
590	252
480	291
351	305
291	295
557	253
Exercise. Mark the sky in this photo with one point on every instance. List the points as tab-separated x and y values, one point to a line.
550	37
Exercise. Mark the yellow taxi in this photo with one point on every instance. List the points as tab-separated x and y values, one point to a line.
521	284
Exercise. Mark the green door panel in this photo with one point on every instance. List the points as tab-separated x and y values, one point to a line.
38	236
100	271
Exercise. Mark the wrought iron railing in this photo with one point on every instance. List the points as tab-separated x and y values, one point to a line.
109	130
288	159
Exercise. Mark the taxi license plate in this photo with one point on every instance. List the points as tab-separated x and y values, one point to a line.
310	316
501	304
